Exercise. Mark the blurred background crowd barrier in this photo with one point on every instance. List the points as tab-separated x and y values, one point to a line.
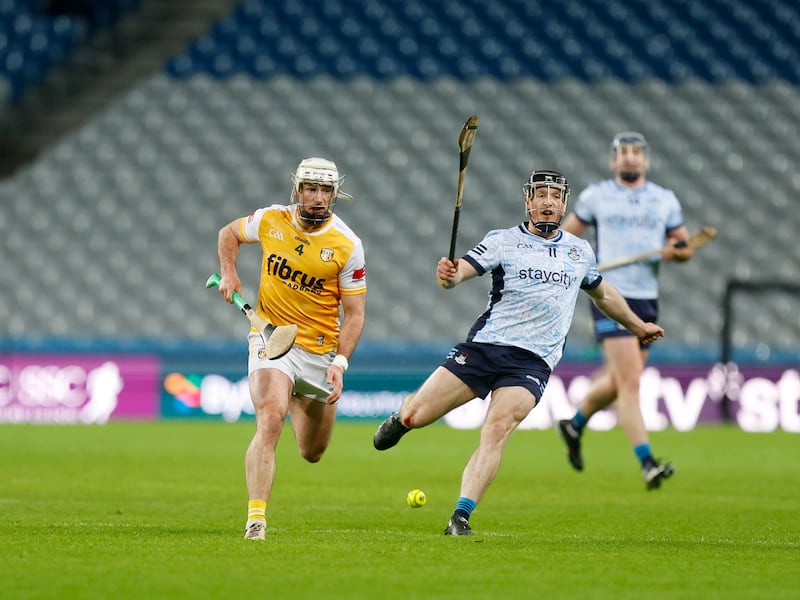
132	130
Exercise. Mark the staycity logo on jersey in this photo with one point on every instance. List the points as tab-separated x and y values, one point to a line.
762	403
279	267
559	277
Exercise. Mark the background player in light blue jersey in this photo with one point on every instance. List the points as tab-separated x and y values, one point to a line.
629	215
536	273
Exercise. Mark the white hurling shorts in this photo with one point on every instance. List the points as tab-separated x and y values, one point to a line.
307	370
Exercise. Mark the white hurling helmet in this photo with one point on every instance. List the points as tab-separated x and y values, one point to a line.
321	171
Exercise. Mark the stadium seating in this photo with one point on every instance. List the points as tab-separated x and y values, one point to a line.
39	35
122	216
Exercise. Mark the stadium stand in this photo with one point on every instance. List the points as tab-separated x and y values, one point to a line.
122	215
37	36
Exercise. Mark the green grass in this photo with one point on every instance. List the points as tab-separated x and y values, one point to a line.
156	510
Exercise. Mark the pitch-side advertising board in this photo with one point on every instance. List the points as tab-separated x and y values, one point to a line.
93	389
76	388
758	399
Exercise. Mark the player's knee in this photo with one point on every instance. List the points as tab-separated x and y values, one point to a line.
496	431
268	424
628	387
312	455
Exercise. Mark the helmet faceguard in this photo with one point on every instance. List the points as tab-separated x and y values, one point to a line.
546	223
628	137
322	172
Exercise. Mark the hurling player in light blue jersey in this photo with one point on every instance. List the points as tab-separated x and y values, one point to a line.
536	273
630	215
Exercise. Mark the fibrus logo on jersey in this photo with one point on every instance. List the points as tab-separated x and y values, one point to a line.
326	254
559	277
295	278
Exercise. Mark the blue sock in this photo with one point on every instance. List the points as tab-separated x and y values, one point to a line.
579	421
643	452
464	507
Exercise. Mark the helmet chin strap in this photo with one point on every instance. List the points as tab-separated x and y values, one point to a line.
629	176
314	219
546	226
311	217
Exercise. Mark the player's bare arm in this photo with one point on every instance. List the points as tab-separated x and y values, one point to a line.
610	301
451	273
228	243
354	311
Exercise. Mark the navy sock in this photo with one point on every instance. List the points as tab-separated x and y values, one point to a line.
464	507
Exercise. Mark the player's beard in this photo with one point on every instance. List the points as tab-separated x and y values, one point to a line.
314	218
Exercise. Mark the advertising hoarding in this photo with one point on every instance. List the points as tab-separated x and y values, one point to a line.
677	396
77	388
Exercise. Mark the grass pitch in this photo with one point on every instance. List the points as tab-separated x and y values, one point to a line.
157	510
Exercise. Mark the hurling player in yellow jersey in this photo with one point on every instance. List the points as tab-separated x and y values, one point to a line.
313	265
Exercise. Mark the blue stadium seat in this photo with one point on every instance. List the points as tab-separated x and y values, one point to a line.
34	39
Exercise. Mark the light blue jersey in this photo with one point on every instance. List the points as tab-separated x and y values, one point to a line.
535	284
627	222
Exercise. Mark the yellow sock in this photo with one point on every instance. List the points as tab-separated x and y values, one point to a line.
257	510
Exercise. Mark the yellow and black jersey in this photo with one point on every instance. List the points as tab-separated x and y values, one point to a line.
305	274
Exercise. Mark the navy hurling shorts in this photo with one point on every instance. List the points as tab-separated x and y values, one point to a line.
487	367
